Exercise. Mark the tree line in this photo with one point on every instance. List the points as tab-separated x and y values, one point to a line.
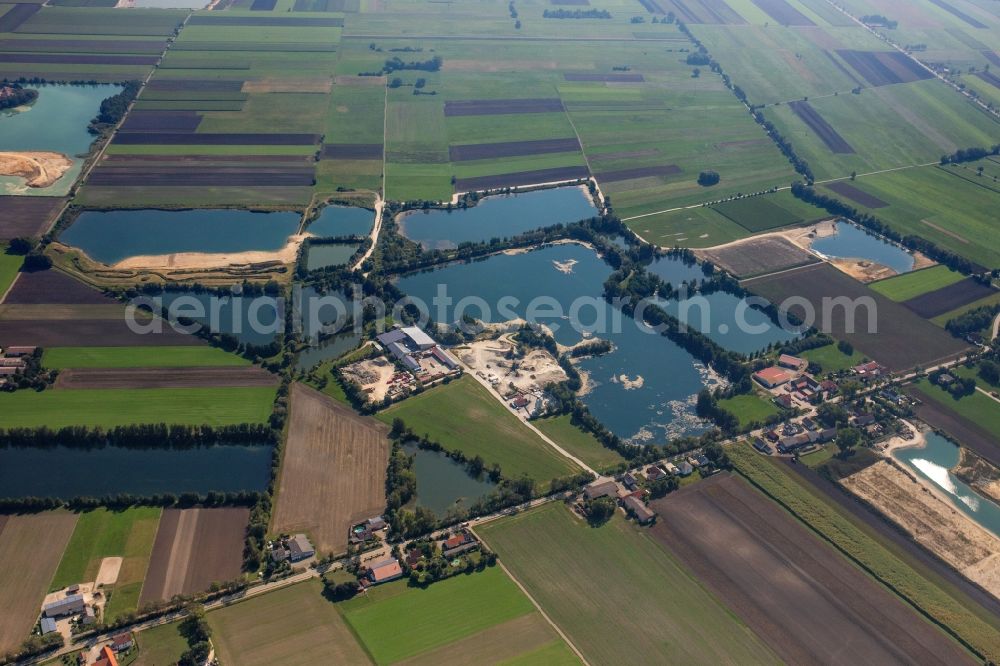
114	108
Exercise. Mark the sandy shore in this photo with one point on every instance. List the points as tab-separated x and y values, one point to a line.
201	260
39	169
897	443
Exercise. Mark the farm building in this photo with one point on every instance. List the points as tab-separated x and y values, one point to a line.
772	377
71	605
418	352
14	351
601	488
792	362
48	625
641	512
384	571
299	548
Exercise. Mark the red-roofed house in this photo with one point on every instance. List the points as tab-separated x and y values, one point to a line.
385	571
106	657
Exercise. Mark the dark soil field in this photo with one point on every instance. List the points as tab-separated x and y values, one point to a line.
521	178
489	107
638	172
993	57
213	139
855	194
144	120
26	216
263	5
707	12
352	151
485	151
193	549
758	256
143	378
990	78
53	287
883	68
79	58
969	434
606	78
798	594
113	46
86	333
821	128
213	160
860	511
783	13
902	340
958	13
195	85
266	21
17	15
840	66
948	298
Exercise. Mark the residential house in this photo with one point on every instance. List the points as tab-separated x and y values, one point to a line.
653	473
458	544
122	642
630	481
106	657
670	468
784	401
299	548
601	488
685	469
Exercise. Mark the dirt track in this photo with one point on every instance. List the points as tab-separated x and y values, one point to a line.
807	602
141	378
193	549
333	472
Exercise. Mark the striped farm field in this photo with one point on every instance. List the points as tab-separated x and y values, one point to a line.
910	285
139	357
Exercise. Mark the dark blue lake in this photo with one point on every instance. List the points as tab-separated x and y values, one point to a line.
644	390
111	236
443	484
851	242
499	216
69	472
339	221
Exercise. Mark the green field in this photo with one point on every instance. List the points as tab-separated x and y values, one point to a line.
831	359
139	357
977	408
749	408
160	646
769	211
102	533
910	285
10	264
695	227
464	416
57	408
581	444
618	596
395	621
295	625
881	558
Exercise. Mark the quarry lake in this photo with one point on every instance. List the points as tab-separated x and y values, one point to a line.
645	390
443	484
323	255
934	462
340	221
111	236
501	216
57	122
65	473
851	242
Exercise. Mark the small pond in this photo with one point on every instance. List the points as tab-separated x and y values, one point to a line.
443	483
324	255
499	216
675	271
57	122
333	348
851	242
71	472
340	221
111	236
934	462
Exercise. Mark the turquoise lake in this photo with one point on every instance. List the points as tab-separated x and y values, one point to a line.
500	216
56	122
645	390
934	462
111	236
444	484
328	254
70	472
340	221
851	242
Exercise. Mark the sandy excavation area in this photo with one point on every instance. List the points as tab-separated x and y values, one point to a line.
39	169
197	260
108	573
932	521
495	359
